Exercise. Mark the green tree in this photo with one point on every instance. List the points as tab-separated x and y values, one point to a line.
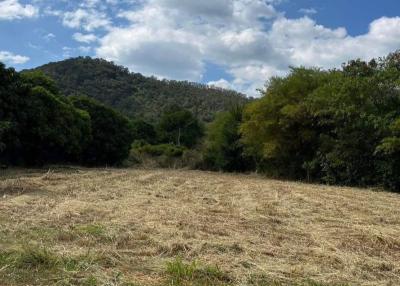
277	130
223	148
112	134
180	127
336	127
143	130
42	127
4	126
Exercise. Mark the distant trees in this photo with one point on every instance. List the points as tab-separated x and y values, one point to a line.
111	135
339	126
135	95
336	127
39	126
145	131
277	130
223	147
180	127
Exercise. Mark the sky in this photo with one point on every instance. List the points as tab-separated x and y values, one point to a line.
237	44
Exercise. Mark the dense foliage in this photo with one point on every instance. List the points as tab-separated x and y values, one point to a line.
336	127
339	126
39	126
180	127
135	95
223	146
112	133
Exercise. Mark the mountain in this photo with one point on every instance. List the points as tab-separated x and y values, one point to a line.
135	95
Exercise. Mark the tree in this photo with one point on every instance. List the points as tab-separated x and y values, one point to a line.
112	134
144	131
4	126
180	127
42	127
277	130
135	95
224	149
335	127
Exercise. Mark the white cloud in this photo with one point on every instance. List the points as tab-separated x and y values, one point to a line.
308	11
12	9
49	37
11	58
163	53
86	19
249	38
222	83
84	38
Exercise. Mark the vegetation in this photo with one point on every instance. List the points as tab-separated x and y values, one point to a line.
223	146
135	95
180	127
86	226
112	133
335	127
40	126
182	273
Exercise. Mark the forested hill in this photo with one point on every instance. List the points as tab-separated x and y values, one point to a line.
134	94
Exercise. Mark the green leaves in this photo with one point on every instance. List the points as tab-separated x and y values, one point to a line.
337	127
180	127
111	133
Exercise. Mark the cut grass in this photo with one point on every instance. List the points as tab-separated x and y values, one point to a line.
126	227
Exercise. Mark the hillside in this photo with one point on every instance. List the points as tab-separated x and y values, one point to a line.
129	227
134	94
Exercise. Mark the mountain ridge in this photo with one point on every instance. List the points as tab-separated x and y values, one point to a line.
134	94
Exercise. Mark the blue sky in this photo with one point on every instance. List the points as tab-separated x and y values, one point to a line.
235	44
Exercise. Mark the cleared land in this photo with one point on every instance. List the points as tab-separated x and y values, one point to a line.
160	227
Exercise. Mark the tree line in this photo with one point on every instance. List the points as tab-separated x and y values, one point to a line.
339	126
39	125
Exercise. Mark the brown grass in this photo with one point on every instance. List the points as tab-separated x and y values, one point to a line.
131	223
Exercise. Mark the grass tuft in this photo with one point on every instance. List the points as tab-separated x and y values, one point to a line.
36	257
193	273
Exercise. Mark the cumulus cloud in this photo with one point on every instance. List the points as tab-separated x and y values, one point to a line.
86	19
249	38
171	38
308	11
11	58
163	53
12	9
84	38
222	83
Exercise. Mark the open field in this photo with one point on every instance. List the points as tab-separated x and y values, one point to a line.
160	227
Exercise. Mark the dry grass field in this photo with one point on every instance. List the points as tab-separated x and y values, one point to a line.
161	227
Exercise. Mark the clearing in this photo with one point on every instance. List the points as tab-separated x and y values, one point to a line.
164	227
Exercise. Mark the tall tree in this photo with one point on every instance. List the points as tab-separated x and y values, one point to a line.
180	127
